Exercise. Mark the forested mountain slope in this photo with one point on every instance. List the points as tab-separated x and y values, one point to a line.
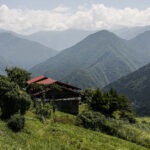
136	85
98	60
102	57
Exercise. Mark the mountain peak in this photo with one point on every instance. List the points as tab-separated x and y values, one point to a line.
103	34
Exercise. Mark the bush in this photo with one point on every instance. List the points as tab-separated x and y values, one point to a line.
110	104
119	128
12	99
91	120
16	122
43	110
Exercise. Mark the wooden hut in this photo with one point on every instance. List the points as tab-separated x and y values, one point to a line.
66	97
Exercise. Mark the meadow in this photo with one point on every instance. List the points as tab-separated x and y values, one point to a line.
61	133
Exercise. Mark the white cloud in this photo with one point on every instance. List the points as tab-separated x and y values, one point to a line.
96	17
61	9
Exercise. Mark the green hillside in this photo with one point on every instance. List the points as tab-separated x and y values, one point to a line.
59	135
102	55
136	85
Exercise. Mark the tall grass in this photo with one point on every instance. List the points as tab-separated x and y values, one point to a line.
138	133
60	134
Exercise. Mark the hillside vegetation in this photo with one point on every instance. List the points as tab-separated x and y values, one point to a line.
59	135
136	85
41	126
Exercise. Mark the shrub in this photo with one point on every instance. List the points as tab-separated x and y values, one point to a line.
119	128
12	99
16	122
43	110
111	105
97	121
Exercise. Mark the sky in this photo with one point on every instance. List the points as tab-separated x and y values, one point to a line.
28	16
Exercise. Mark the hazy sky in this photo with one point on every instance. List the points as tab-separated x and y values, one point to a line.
49	4
27	16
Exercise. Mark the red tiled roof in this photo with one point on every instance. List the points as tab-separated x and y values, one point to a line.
46	81
36	79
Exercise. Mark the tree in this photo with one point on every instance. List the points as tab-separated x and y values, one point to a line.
100	103
87	95
12	98
112	104
19	76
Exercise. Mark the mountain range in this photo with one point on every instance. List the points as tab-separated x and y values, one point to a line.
130	32
58	40
61	40
21	52
136	85
97	60
100	59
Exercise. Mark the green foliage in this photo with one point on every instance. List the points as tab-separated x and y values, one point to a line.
100	103
64	135
91	120
110	104
12	98
119	128
87	95
19	76
16	122
43	110
136	85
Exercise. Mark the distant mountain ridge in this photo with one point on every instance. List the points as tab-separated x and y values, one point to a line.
21	52
58	40
131	32
100	58
136	85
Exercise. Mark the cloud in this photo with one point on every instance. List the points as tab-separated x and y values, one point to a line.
96	17
61	9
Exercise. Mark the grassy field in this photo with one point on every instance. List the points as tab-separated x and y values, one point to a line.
60	134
